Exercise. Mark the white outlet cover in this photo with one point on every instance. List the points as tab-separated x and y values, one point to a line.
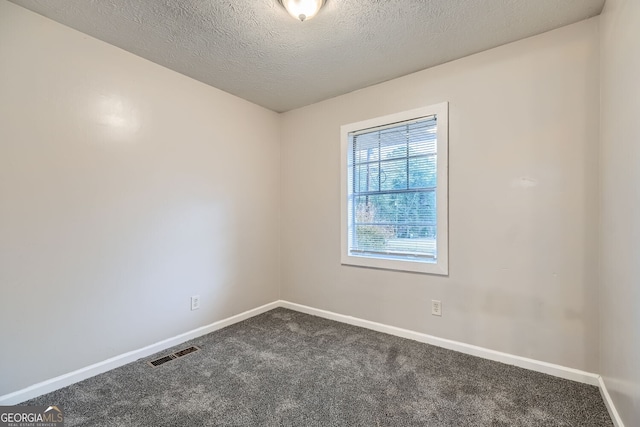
195	302
436	307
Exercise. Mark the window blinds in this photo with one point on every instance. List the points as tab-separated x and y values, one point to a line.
392	185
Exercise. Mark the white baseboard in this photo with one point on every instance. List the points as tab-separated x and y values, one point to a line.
485	353
122	359
613	412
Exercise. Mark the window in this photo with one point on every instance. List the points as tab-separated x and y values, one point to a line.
394	191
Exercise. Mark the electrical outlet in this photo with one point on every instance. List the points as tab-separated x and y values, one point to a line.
436	308
195	302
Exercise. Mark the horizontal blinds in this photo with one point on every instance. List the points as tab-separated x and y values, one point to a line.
393	125
392	179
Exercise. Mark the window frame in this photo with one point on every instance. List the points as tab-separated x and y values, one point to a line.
441	264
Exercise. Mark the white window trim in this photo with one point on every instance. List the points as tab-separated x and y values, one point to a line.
441	266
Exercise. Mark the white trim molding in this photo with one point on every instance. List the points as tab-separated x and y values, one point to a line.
613	412
125	358
485	353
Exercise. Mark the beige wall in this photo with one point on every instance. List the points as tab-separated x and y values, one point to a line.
523	185
620	244
125	188
119	200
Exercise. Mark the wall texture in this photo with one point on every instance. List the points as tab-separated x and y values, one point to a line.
523	187
125	188
620	206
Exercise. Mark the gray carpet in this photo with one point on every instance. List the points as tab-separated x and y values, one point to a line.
284	368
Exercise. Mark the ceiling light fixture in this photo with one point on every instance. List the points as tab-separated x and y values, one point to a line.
302	9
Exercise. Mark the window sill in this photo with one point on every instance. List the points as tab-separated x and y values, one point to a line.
436	268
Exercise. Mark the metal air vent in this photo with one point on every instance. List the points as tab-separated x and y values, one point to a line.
170	357
162	360
186	351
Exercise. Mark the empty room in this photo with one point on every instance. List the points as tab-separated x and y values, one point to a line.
320	213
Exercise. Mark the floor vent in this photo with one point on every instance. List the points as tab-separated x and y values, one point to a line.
186	351
173	356
162	360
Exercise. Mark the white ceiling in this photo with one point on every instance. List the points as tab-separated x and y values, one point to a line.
255	50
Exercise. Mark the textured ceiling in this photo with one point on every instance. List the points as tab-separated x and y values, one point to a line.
255	50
